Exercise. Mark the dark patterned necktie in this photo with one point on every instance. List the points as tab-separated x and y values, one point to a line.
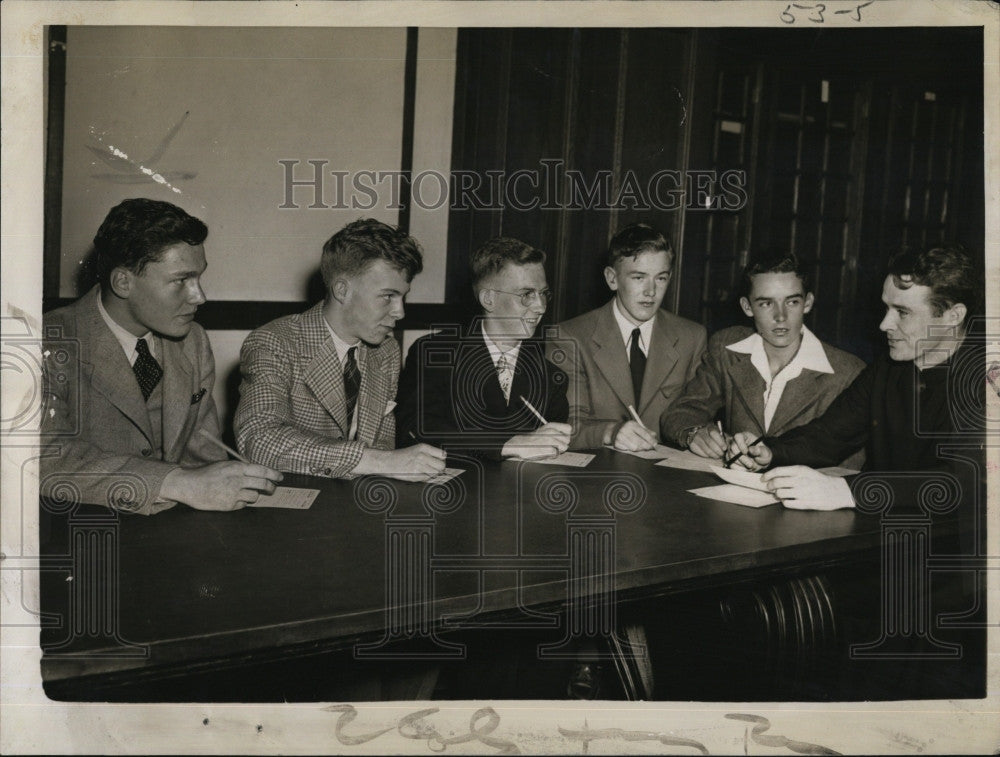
352	382
147	371
637	365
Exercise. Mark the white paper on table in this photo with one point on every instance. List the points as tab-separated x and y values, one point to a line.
836	470
740	478
445	476
658	452
676	458
288	497
576	459
737	495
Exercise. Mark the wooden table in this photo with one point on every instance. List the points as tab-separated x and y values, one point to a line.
128	595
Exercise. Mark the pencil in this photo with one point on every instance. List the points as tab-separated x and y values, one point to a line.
738	455
635	415
222	445
537	414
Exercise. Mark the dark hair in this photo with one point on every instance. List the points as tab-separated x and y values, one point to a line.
496	253
772	261
136	232
947	269
635	239
352	249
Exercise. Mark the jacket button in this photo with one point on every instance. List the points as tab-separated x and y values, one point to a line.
146	452
326	471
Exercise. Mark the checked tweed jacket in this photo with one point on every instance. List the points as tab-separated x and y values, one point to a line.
292	413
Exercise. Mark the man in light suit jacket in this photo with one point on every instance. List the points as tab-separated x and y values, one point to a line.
465	389
319	387
127	377
630	353
766	380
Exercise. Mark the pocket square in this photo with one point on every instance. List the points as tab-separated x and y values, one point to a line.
196	398
389	407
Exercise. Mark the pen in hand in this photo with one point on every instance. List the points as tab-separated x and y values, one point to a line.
541	418
223	446
726	463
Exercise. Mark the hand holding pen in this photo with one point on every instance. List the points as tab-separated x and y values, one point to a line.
633	436
710	441
549	440
747	452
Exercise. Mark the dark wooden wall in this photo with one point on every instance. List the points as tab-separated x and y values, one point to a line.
853	143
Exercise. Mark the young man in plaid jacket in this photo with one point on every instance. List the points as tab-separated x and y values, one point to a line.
319	387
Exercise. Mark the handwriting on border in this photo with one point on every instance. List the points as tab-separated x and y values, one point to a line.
485	721
815	12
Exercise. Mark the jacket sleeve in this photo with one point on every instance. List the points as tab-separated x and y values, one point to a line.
832	437
703	397
428	410
74	469
264	429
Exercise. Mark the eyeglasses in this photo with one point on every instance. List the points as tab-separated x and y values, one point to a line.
544	296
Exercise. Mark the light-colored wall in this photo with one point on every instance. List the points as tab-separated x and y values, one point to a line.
253	96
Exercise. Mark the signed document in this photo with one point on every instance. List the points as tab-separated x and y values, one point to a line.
574	459
676	458
445	476
737	495
287	497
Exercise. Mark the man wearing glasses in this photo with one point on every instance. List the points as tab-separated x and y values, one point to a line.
632	358
485	391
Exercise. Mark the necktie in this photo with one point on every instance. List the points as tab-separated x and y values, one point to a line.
352	382
636	364
147	371
505	374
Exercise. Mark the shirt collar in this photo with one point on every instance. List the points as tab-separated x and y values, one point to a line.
495	351
627	327
811	354
340	345
125	337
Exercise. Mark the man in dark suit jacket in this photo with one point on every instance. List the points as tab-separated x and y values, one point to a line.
128	377
467	390
768	379
629	352
318	387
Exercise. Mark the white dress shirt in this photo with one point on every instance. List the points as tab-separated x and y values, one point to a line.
627	327
126	338
496	353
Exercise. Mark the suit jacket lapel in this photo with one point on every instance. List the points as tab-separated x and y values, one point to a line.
323	373
660	361
371	396
110	373
529	378
180	386
748	387
610	356
476	361
798	394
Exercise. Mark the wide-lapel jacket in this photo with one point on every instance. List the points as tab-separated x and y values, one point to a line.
727	380
292	413
99	445
450	396
600	385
